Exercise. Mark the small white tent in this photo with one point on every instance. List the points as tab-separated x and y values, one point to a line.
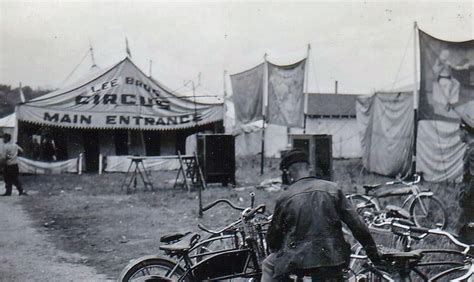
8	125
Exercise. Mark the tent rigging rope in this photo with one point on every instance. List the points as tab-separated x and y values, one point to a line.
76	67
403	59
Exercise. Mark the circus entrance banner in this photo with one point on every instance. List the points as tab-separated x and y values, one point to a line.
121	97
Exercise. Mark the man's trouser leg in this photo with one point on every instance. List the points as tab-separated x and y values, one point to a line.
11	173
15	180
268	268
8	181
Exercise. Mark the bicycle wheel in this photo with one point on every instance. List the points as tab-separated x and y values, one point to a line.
364	206
144	268
429	212
460	273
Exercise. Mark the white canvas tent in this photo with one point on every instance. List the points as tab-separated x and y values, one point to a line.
332	114
119	107
118	97
386	127
8	124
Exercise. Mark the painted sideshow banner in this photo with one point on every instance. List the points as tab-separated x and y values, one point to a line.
447	79
247	94
285	94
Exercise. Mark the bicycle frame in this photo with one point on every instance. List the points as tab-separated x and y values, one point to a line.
240	261
466	265
415	194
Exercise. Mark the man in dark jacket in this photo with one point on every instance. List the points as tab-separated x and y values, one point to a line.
466	196
305	236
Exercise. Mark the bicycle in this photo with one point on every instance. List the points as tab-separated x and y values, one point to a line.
402	266
233	235
243	261
425	209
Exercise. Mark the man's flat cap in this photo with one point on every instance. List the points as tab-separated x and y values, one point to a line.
293	156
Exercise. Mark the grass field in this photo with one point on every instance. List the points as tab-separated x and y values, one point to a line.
90	215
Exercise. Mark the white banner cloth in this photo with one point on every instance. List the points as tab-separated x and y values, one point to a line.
439	151
37	167
122	163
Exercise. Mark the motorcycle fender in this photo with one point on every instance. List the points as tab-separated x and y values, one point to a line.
144	258
156	278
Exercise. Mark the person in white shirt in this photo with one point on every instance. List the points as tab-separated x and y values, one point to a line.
10	172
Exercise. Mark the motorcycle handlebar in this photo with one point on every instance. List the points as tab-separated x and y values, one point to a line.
229	203
249	213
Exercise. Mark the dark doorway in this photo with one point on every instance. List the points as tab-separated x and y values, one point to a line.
91	150
319	150
181	141
121	142
60	141
152	142
323	144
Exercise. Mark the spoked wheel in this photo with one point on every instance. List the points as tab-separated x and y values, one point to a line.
144	269
429	212
460	273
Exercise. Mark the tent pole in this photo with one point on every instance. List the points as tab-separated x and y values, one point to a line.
264	103
415	97
304	124
306	71
224	119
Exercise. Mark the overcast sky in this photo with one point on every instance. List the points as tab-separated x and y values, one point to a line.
363	45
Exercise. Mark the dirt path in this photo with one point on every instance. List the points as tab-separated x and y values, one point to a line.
27	255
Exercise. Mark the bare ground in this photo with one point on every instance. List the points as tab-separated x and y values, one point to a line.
89	217
27	254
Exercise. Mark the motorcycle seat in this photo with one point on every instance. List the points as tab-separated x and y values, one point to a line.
184	244
168	238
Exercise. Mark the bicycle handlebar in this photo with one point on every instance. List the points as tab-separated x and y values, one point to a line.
249	213
229	203
426	231
203	228
417	179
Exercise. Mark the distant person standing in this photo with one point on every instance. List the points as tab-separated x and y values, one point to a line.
10	172
36	149
48	149
466	196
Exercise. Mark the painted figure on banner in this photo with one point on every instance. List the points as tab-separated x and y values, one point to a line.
446	79
447	92
286	94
